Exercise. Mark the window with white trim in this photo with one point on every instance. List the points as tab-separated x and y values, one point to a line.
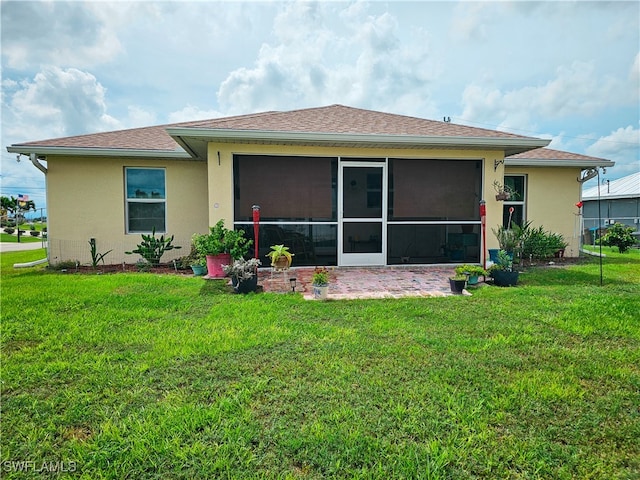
517	184
145	191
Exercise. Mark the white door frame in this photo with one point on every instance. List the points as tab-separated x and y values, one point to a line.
362	259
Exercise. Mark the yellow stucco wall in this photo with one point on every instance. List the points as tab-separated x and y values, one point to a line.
551	197
86	199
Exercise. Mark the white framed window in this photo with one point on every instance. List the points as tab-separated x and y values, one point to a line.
517	184
146	200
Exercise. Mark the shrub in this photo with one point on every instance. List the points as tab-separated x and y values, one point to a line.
34	233
152	248
619	235
9	230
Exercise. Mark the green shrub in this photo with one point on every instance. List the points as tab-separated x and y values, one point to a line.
619	235
152	248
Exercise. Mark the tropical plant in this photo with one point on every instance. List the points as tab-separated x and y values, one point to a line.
619	235
539	243
95	256
320	276
508	238
278	251
152	249
221	240
503	263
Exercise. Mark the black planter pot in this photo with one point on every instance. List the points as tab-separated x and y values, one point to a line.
457	286
503	278
245	286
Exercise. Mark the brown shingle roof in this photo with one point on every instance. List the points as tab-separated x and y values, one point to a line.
550	154
348	120
336	119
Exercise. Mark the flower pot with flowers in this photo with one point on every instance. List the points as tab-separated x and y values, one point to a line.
320	283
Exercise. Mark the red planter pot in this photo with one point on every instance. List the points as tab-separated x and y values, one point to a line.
214	265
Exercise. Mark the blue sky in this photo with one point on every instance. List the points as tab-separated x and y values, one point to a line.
567	71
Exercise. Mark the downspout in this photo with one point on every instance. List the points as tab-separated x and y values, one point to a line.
36	163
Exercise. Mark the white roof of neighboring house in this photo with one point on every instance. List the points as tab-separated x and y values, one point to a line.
625	187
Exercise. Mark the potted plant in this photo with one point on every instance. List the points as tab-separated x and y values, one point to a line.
458	283
244	274
472	272
199	265
281	257
502	271
320	283
220	246
508	238
503	192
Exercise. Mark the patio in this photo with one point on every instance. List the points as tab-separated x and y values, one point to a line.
348	283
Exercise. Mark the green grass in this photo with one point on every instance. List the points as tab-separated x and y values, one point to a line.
149	376
25	237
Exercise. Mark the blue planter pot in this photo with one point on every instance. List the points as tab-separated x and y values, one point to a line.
493	254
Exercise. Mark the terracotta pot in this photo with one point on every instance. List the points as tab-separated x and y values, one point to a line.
214	265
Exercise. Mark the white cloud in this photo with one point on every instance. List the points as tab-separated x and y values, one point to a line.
576	90
57	102
326	55
58	33
621	146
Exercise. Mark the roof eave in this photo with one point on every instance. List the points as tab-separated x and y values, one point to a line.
511	146
546	162
97	152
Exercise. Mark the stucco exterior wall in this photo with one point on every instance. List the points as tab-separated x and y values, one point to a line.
220	171
86	199
551	197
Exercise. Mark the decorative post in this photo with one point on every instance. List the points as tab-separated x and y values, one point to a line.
483	226
256	228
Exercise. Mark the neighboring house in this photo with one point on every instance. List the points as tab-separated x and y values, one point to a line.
619	203
339	185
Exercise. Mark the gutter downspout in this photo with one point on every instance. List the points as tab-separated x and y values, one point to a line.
36	163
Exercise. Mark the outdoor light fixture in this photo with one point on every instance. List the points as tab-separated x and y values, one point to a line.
292	281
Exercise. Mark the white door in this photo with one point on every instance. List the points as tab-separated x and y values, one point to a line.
362	206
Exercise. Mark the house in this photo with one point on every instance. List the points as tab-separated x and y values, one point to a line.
613	201
339	185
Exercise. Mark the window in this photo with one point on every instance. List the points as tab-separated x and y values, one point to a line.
145	200
517	184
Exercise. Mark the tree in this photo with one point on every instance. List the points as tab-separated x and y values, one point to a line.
619	236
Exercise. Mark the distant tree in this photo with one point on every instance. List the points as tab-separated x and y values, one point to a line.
619	235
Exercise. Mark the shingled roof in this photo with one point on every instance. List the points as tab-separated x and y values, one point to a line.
330	125
551	157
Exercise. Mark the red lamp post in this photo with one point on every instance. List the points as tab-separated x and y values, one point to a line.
483	226
256	228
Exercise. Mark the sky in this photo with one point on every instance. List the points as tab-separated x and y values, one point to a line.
568	71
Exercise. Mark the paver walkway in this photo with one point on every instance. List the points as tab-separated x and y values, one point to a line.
365	282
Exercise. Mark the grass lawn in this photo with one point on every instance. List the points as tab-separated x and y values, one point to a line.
146	376
25	237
